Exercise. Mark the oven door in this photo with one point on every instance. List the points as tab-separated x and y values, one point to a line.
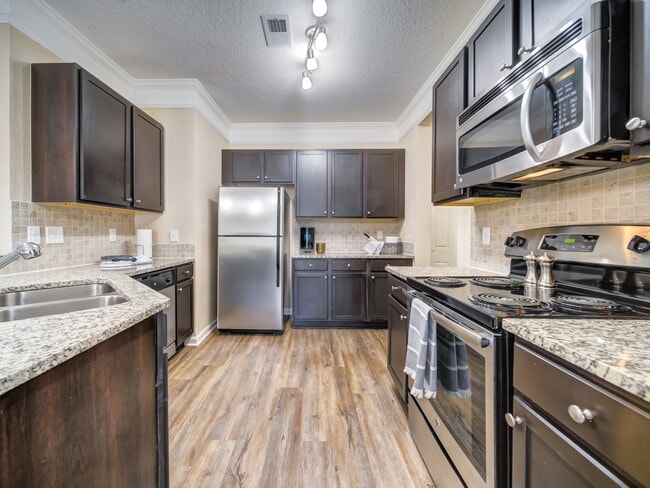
462	413
555	112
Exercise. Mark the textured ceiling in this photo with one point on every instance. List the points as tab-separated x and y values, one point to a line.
379	55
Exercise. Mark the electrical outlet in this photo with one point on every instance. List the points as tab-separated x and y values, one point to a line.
486	237
112	235
34	234
173	235
380	235
54	235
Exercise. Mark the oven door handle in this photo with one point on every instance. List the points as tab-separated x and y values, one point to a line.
524	119
467	335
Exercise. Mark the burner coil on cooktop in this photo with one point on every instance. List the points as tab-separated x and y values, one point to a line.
510	303
445	282
584	304
498	282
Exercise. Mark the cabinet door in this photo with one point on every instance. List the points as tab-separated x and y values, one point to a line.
348	296
544	456
491	50
383	188
247	166
640	64
397	344
346	183
279	166
311	184
378	296
310	296
184	311
148	162
449	99
105	149
537	19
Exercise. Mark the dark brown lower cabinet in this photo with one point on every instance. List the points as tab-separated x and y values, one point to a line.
310	295
94	420
349	296
184	311
377	296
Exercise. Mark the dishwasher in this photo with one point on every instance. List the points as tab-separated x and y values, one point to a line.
164	282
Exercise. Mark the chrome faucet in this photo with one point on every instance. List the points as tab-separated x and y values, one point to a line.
27	250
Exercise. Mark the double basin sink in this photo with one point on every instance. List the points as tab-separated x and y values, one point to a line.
28	304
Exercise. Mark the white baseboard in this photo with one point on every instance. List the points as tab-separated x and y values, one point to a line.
196	340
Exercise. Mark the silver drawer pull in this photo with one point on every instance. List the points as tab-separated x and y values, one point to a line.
372	277
348	265
180	290
395	288
513	421
402	317
578	415
187	271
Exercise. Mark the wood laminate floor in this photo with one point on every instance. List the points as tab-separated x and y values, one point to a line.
309	408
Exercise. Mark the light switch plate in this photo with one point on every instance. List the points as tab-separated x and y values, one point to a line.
173	235
112	235
54	235
34	234
380	235
486	237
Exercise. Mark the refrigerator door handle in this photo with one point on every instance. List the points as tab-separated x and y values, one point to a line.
277	261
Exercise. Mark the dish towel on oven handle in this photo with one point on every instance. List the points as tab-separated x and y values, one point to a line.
421	351
454	370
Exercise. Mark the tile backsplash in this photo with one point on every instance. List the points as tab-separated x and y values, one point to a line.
614	197
86	235
173	250
340	235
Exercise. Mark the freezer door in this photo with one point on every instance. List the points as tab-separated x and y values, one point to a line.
249	211
250	283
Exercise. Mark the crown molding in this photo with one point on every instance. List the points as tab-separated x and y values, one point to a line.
420	106
314	133
188	93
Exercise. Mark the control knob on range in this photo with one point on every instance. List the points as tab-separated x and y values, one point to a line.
639	244
519	241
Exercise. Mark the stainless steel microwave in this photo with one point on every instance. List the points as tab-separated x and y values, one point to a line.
559	113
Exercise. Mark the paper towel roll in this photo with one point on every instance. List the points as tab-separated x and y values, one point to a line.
144	246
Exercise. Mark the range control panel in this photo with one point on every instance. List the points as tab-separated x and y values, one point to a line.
569	242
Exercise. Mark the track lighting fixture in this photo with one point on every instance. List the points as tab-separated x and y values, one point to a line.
319	7
311	63
306	80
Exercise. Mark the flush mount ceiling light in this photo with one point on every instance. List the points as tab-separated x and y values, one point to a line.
306	80
319	7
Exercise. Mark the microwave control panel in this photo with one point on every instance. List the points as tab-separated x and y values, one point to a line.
566	87
569	242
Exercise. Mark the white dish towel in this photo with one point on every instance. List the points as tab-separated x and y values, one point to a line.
421	352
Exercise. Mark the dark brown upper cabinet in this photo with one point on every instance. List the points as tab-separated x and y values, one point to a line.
449	99
82	142
246	167
491	50
312	184
537	19
346	183
383	183
148	162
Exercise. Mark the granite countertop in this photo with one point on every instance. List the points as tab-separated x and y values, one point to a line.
617	351
405	272
30	347
350	255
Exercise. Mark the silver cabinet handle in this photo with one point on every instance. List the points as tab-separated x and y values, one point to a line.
524	119
258	177
325	212
523	49
636	123
138	201
579	415
333	277
348	265
395	288
180	290
325	276
372	277
310	265
402	317
513	421
266	177
332	212
505	66
129	199
368	212
187	271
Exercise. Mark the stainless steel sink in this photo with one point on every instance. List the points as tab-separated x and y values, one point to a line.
51	301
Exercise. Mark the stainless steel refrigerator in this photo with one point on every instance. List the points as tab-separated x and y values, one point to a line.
251	248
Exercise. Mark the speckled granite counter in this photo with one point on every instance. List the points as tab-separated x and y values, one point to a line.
405	272
32	346
618	351
350	255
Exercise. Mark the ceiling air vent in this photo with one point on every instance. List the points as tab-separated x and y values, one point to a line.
276	30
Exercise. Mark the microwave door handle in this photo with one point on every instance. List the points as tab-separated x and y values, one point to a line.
524	118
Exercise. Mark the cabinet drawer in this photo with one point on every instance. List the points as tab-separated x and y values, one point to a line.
184	272
398	289
380	264
619	430
348	264
310	264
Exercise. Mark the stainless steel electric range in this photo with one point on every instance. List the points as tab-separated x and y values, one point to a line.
599	271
